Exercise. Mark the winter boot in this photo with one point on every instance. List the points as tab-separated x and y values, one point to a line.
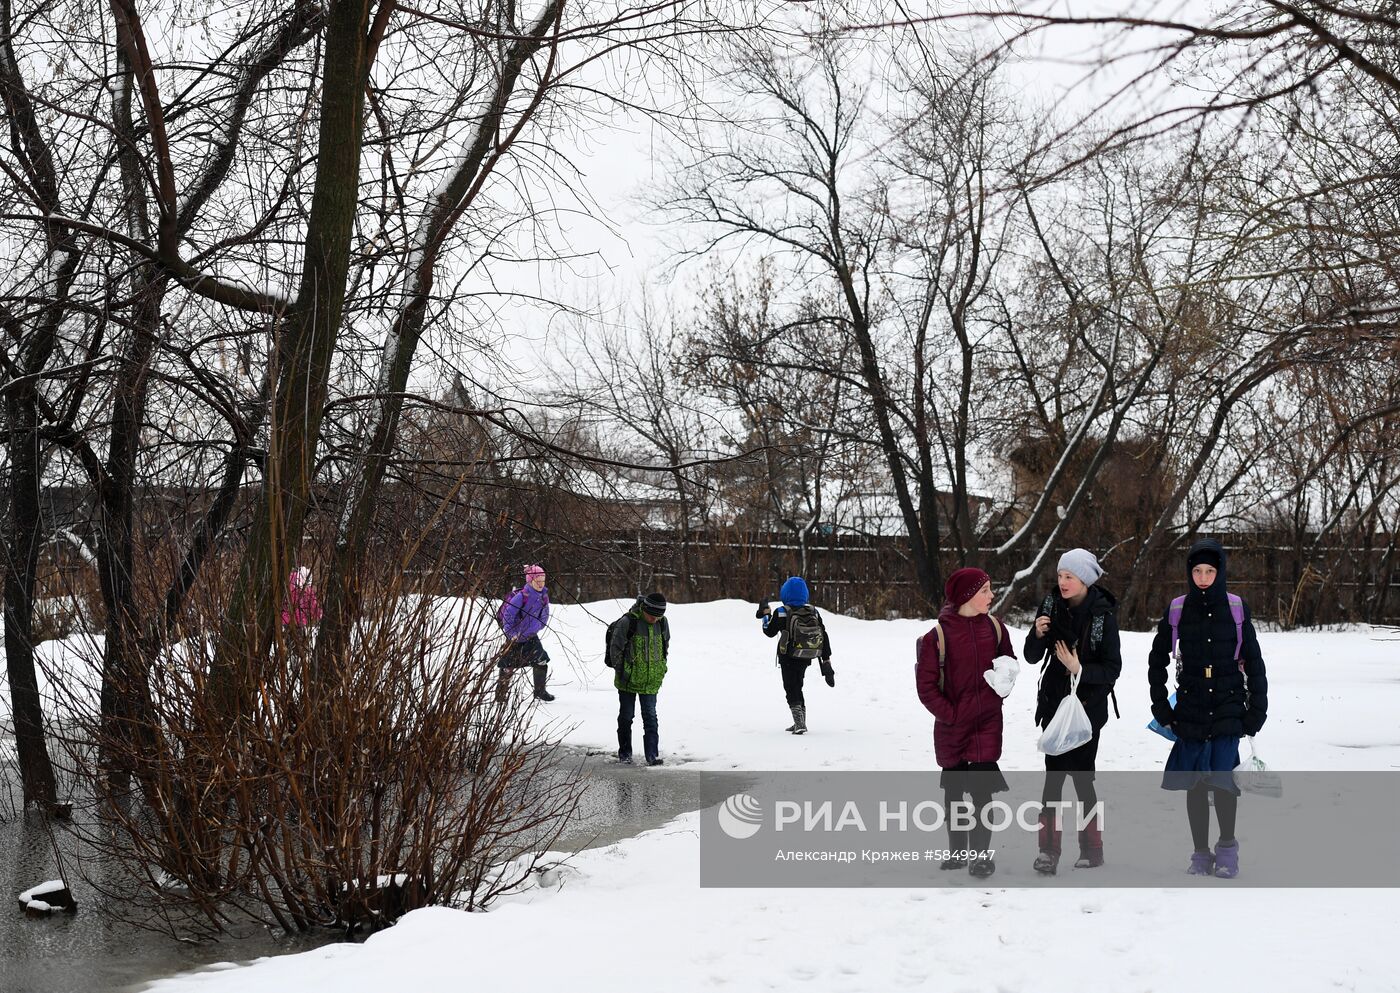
502	685
624	742
541	672
1090	845
799	719
981	868
1202	864
1227	860
1048	861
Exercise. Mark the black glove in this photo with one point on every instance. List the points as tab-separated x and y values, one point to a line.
828	673
763	609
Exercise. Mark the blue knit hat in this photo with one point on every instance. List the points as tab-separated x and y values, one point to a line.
794	592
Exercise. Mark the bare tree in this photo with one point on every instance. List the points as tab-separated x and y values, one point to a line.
630	380
786	176
912	243
193	214
796	417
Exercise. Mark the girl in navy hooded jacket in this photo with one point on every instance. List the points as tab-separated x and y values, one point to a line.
1221	694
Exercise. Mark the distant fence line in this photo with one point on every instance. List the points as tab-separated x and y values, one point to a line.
873	576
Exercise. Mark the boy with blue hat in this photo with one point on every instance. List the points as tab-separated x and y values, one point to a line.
801	638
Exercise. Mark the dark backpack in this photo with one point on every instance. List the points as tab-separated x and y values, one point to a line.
804	638
631	621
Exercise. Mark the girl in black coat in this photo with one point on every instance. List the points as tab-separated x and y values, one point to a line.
1076	631
1221	694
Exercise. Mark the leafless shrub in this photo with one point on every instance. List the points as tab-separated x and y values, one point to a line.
387	779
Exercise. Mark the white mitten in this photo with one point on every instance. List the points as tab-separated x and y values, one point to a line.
1002	675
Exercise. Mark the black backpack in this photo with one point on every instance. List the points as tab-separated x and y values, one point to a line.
631	621
804	638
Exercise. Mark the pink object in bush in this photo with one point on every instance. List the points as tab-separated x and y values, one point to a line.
302	607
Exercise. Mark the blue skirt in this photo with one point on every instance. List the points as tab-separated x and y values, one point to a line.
1211	761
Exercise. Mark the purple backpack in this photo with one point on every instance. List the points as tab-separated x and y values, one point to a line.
501	610
1236	613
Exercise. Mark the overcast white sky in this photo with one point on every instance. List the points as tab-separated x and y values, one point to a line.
621	162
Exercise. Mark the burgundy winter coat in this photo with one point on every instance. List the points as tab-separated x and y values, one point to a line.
966	710
301	607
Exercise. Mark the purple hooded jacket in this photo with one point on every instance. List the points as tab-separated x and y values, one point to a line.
525	613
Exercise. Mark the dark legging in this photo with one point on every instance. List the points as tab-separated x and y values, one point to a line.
980	837
793	675
1083	786
1198	813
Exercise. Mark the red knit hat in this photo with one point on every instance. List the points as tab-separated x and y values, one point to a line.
963	585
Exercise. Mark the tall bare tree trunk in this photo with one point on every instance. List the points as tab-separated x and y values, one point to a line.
342	592
22	542
304	343
25	532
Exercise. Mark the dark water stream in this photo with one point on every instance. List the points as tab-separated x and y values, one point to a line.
92	951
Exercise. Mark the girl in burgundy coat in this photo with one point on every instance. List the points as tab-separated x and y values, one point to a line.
957	689
301	607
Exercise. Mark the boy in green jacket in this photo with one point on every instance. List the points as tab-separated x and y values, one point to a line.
637	651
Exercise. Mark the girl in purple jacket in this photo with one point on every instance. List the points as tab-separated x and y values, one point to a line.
523	616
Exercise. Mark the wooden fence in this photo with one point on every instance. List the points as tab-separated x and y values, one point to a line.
874	577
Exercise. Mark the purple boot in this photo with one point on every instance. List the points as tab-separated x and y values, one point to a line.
1227	860
1202	864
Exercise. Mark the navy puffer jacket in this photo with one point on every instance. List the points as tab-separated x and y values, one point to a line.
1213	697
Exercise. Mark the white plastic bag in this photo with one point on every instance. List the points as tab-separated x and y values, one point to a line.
1002	675
1070	726
1253	776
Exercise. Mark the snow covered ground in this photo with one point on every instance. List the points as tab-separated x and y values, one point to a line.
633	915
1334	697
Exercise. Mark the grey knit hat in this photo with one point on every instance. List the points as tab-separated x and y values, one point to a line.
1082	563
654	604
